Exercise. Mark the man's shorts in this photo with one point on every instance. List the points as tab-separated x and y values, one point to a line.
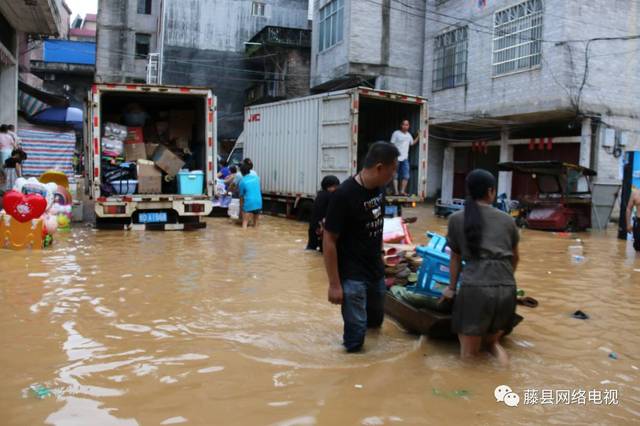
403	170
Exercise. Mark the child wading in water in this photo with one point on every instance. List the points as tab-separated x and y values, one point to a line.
13	168
250	196
329	184
487	240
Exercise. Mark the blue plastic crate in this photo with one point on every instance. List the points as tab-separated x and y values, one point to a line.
191	182
434	275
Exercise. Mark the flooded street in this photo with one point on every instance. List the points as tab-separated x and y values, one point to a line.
230	327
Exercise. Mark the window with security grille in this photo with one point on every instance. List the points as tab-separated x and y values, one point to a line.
331	21
517	38
450	59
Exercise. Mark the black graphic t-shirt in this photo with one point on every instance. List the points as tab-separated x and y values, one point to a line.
356	214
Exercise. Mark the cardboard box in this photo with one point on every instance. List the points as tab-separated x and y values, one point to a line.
167	161
151	148
149	178
134	152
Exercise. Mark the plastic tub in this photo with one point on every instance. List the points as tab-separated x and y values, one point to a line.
190	182
124	187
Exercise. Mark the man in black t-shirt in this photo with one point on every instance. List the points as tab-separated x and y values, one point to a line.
353	244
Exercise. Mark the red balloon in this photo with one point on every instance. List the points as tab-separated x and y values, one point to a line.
23	207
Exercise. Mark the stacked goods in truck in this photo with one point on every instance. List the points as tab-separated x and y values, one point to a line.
151	148
181	127
113	140
149	178
134	148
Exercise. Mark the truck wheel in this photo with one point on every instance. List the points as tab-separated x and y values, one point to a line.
304	211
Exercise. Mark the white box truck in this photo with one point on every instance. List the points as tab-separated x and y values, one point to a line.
165	210
295	143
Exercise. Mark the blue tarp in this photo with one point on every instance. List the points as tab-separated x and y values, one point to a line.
60	116
70	52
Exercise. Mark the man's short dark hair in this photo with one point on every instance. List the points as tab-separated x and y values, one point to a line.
11	127
245	169
381	153
328	182
3	128
248	162
233	169
20	153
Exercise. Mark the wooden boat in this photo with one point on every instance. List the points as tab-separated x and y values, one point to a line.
434	324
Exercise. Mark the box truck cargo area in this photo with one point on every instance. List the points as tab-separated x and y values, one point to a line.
143	138
295	143
377	121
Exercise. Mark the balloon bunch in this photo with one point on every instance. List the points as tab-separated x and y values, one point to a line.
32	200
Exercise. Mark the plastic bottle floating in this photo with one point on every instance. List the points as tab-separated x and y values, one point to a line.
39	391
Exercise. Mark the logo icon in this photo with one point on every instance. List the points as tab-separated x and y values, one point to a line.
503	393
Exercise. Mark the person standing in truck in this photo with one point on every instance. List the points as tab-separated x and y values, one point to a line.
353	246
403	140
633	221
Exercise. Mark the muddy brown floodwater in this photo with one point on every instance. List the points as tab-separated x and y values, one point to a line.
230	327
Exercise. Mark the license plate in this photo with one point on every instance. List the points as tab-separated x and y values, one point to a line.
153	217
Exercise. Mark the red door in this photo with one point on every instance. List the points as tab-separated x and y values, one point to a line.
467	160
523	184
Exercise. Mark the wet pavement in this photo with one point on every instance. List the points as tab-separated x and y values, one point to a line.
223	326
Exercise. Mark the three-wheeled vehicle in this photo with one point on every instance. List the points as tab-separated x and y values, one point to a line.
563	199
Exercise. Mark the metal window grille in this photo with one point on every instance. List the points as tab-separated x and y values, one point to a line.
258	9
331	24
153	68
517	37
450	59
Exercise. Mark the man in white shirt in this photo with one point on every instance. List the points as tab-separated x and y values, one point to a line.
403	140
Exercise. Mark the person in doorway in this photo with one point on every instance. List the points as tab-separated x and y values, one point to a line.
224	170
13	168
7	144
403	140
633	221
233	180
486	239
11	129
352	245
329	185
250	197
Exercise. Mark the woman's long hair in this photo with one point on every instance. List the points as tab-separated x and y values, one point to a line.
479	181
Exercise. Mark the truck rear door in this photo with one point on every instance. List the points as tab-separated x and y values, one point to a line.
337	137
91	147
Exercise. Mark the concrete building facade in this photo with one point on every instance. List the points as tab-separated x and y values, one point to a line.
530	80
378	43
20	22
505	79
127	31
202	44
281	57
